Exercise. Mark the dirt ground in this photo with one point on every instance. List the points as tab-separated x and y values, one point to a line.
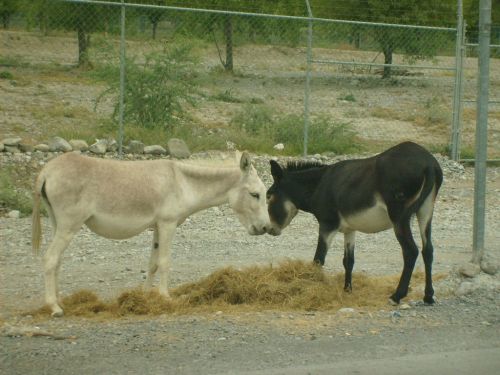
415	339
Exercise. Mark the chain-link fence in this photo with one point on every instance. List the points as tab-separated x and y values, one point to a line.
232	79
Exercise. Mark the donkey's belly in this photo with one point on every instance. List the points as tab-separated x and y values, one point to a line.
117	227
369	220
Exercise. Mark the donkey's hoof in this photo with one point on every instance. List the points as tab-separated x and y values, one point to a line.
392	302
429	301
57	314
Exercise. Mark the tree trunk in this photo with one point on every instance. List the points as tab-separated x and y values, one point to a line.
387	60
228	34
83	44
5	21
155	25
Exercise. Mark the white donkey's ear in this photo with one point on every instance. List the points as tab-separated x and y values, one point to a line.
237	155
245	162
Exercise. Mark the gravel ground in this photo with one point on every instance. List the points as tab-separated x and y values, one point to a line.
464	324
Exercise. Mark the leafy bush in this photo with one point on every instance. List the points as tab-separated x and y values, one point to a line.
10	197
253	119
6	75
157	89
259	129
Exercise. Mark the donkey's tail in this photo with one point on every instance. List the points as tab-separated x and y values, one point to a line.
36	227
433	178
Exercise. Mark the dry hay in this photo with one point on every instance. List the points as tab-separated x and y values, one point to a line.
292	285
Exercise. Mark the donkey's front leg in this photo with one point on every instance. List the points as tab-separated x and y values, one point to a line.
348	261
325	237
153	261
166	231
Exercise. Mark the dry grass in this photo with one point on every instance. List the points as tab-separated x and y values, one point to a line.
292	285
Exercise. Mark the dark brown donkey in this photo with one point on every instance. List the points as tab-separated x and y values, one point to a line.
367	195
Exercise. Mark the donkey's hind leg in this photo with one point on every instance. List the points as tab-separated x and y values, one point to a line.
410	254
153	261
166	233
348	261
424	217
52	263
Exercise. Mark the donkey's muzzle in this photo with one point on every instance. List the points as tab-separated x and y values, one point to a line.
257	231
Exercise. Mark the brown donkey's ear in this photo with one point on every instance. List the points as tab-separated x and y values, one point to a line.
276	170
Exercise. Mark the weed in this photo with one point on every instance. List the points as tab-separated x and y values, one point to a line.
6	75
348	98
156	90
12	198
227	96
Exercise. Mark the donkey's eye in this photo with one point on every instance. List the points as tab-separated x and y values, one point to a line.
255	195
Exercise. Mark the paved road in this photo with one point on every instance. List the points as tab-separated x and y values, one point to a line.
483	362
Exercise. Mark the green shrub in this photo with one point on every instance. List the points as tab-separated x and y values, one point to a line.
227	96
258	129
156	90
253	119
6	75
12	198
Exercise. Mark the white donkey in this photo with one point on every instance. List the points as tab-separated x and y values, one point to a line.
120	199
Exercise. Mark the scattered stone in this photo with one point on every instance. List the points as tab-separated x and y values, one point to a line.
42	147
177	148
79	145
12	149
99	147
489	266
136	147
154	150
14	214
111	145
465	288
58	144
26	148
469	270
395	314
2	147
14	141
231	146
346	310
404	306
279	146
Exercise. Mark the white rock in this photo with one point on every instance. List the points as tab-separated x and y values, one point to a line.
279	146
346	310
14	214
14	141
469	269
154	150
465	288
99	147
79	144
58	144
178	149
135	147
42	147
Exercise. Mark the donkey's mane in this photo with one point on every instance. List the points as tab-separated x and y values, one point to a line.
301	165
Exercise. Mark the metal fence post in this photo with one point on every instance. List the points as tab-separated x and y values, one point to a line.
481	131
308	78
458	89
122	80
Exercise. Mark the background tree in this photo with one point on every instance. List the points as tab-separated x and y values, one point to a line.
7	9
84	19
153	15
415	12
